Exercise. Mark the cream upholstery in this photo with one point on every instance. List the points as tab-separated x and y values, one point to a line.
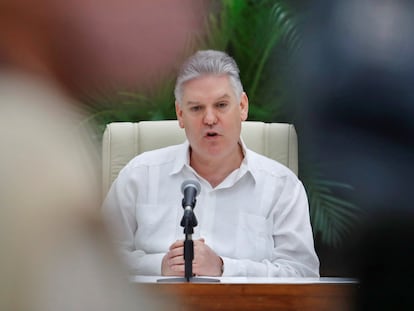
124	140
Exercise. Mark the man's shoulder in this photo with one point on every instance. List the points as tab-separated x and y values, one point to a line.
267	165
158	156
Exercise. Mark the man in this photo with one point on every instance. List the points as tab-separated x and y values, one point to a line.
252	211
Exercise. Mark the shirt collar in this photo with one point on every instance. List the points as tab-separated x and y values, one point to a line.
247	165
183	160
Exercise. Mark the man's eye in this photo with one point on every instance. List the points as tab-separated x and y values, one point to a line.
221	105
195	108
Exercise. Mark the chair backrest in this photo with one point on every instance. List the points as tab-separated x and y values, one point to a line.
124	140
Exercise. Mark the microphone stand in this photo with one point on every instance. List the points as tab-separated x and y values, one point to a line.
189	221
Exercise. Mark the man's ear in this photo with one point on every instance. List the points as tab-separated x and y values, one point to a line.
244	106
179	113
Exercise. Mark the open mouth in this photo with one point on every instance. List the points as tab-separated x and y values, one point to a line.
211	134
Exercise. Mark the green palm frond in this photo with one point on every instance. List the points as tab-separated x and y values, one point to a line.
261	48
332	217
281	26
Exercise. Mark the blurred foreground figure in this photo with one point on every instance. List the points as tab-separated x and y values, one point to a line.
89	45
357	104
54	251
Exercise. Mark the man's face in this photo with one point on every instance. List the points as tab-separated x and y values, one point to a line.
211	115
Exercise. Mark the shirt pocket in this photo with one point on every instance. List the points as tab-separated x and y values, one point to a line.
157	227
254	237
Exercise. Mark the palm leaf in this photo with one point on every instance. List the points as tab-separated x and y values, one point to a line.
332	217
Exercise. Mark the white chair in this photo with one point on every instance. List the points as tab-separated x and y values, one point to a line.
124	140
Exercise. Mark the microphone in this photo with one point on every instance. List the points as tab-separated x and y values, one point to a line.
190	190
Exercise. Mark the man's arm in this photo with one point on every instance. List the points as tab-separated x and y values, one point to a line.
119	214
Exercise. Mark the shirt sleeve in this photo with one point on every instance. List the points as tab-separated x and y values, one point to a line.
293	254
119	214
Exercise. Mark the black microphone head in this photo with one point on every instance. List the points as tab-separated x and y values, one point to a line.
191	184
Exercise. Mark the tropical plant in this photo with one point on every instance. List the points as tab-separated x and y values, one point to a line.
333	218
261	35
250	31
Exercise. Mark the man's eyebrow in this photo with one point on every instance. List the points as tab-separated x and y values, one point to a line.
225	96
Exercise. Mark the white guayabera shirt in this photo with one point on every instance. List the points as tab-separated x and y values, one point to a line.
256	220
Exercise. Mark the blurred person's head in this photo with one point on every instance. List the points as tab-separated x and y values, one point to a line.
88	45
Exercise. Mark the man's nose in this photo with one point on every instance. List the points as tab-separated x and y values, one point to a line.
210	117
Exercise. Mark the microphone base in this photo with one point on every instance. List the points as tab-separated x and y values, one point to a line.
190	280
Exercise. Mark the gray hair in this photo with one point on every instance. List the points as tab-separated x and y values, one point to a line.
208	62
